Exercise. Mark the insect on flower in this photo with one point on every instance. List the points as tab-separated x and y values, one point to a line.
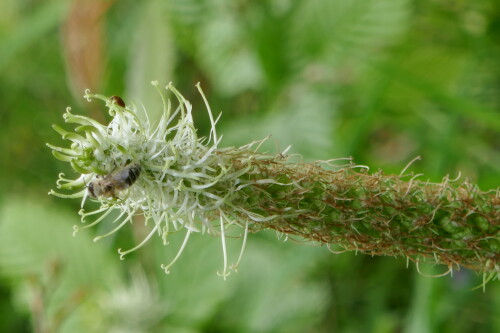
116	181
118	101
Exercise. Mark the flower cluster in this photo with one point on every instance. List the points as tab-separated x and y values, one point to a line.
179	181
186	181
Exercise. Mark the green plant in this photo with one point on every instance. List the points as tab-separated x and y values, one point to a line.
188	182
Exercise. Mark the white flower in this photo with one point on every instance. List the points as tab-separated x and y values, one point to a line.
185	181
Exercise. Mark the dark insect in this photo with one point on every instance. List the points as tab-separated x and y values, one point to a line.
118	180
118	101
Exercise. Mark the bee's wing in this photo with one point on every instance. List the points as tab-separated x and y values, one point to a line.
128	175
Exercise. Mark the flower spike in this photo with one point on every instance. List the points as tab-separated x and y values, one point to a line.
178	180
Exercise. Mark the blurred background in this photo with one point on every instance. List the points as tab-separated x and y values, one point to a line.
382	81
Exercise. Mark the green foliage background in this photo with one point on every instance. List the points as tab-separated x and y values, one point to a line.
382	81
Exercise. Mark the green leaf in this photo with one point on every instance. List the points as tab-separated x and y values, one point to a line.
334	31
226	55
32	235
303	120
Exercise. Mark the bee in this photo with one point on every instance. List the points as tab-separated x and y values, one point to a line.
118	180
118	101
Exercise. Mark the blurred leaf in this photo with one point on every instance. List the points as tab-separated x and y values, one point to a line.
276	292
226	55
270	292
152	56
193	291
302	117
33	235
224	39
31	29
435	66
187	16
136	307
419	320
36	245
335	31
437	93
